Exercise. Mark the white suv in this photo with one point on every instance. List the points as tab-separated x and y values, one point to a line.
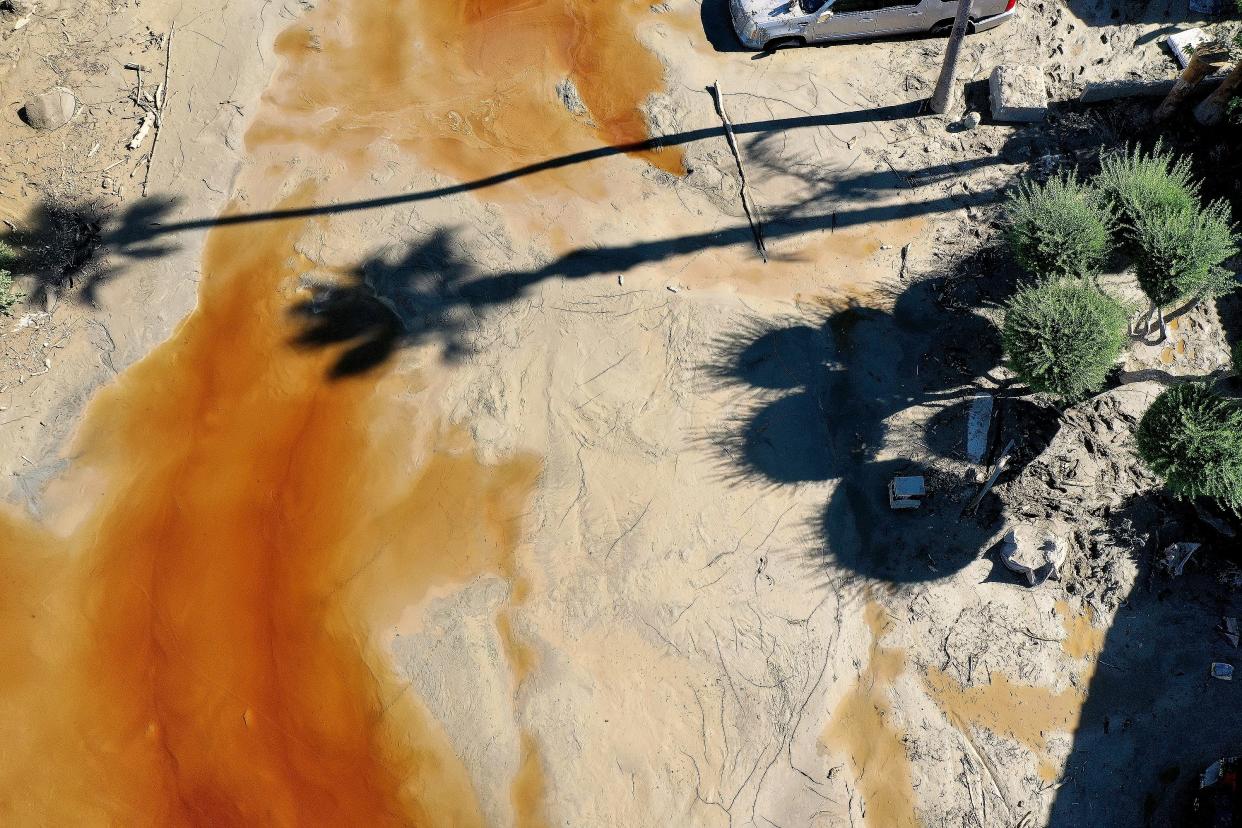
773	24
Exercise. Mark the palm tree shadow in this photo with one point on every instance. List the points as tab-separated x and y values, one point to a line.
388	302
74	247
820	399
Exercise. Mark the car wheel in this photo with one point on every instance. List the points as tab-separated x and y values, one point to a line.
945	27
783	43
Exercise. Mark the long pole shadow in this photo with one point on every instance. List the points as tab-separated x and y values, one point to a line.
881	113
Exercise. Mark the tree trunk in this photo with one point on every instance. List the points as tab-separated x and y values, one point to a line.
948	72
1212	111
1206	58
1144	328
1164	327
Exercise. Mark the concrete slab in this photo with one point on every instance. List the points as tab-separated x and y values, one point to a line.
1018	93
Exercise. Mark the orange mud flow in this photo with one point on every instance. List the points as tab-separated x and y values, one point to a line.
193	638
199	650
469	87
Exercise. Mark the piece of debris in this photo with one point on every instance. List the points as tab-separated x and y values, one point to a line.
1036	555
1176	555
141	134
978	424
161	96
906	492
1217	800
1183	44
1018	93
1229	629
971	120
751	216
621	279
1001	465
1222	671
51	110
672	288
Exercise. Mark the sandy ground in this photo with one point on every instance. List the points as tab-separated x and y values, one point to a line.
494	479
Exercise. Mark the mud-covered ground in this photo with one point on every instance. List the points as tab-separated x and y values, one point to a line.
431	444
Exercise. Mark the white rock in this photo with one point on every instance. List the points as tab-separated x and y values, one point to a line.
52	109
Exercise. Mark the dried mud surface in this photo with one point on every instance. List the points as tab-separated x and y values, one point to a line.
430	447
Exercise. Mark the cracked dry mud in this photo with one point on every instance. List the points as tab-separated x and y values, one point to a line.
382	499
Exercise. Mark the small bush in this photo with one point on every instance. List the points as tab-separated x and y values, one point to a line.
8	292
1063	337
1061	228
1181	252
1136	184
1192	438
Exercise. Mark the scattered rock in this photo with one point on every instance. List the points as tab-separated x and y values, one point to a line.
20	8
572	100
972	120
1018	93
1229	629
51	110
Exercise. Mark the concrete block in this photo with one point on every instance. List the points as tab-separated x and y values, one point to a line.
1018	94
1098	91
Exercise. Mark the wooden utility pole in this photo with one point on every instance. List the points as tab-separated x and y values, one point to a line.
1207	58
1212	111
948	72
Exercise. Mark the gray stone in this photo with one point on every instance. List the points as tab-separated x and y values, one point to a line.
1018	94
972	120
52	109
1098	91
568	93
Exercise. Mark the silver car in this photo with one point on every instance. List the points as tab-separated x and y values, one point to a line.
774	24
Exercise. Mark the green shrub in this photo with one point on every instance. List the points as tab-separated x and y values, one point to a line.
1233	111
1061	228
8	292
1180	252
1137	184
1192	438
1062	337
